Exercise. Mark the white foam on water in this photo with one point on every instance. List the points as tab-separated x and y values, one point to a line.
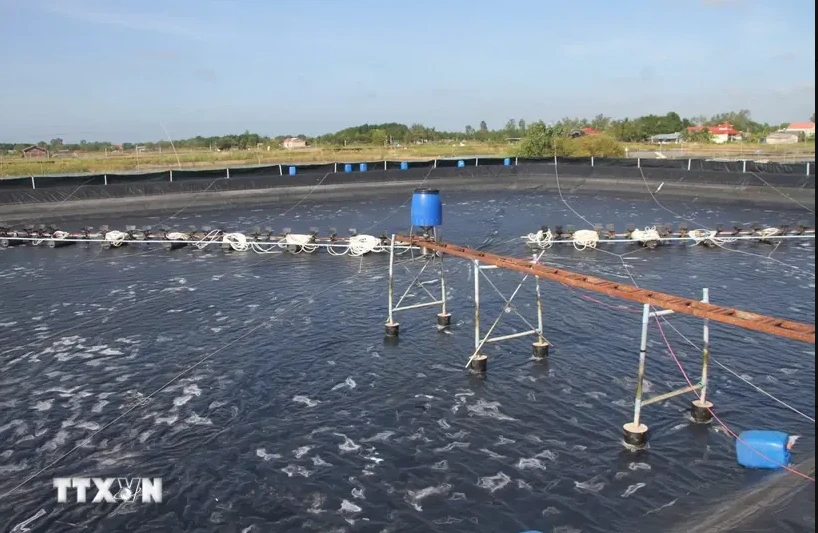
44	405
631	489
639	466
383	436
348	445
358	493
592	485
488	410
296	470
523	485
502	440
441	465
493	455
197	420
305	400
526	463
494	483
451	446
348	383
262	452
302	451
415	497
317	461
349	507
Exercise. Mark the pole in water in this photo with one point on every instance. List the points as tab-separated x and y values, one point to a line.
479	364
701	409
392	328
541	347
444	319
636	433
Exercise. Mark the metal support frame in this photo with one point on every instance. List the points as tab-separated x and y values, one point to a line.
481	340
726	315
431	258
639	402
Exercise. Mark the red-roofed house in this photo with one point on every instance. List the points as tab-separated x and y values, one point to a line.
807	128
722	133
590	131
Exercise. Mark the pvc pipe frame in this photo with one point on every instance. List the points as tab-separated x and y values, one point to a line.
395	307
702	385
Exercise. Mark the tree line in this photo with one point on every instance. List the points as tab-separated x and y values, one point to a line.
638	129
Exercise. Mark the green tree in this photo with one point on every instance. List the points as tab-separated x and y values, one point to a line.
521	126
539	141
378	137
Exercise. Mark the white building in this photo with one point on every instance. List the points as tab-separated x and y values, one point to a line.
807	128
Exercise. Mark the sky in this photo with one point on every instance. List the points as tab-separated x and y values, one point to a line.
152	69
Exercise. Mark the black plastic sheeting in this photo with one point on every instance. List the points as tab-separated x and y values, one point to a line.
15	183
694	171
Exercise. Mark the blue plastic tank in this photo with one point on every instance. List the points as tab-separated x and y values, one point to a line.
404	165
363	167
427	208
461	164
757	448
293	171
348	167
507	161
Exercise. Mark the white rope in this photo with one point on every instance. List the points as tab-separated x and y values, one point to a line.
116	238
237	241
543	239
301	243
649	234
585	238
363	244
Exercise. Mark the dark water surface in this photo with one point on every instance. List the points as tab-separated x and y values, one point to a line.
283	409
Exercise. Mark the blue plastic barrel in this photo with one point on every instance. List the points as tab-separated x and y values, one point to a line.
461	164
348	167
362	167
507	161
427	209
757	448
404	165
293	171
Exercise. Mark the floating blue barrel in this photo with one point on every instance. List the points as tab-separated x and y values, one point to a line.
293	171
404	165
758	448
507	161
461	164
348	167
362	167
427	209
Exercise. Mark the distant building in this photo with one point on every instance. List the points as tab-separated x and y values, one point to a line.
722	133
35	151
583	132
666	138
781	137
293	142
513	140
807	128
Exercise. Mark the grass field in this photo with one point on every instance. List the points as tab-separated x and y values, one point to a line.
119	162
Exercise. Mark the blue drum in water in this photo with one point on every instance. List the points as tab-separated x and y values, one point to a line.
427	208
763	449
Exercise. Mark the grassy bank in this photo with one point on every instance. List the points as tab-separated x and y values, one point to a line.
126	162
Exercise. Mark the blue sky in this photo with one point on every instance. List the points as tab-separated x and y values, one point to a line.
97	70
